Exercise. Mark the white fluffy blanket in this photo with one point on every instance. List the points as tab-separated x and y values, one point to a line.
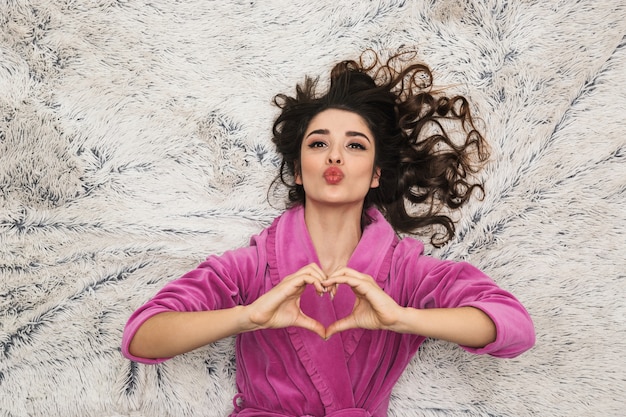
135	140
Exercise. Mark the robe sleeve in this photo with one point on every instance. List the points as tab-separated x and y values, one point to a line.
432	283
219	282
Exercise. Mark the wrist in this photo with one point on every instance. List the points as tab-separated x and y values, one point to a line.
246	320
407	319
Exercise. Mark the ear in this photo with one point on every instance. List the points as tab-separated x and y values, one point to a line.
375	178
297	173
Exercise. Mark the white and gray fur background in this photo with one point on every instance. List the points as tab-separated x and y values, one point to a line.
135	141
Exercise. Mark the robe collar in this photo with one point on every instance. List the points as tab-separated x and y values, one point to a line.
293	248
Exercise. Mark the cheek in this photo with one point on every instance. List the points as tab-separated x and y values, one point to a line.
304	168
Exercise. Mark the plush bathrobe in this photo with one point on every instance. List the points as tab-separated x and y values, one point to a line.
294	372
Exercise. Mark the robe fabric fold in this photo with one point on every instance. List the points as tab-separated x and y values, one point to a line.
294	372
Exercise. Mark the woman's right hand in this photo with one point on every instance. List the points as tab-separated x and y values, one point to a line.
280	307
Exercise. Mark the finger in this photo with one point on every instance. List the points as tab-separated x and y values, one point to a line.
349	272
310	274
319	286
297	282
351	277
350	280
313	325
318	270
341	325
311	269
322	275
333	291
314	270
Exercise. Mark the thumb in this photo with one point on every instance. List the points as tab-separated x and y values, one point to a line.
345	323
313	325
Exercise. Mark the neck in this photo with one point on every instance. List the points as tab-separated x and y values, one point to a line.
335	233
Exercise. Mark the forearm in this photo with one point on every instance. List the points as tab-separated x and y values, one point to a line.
467	326
172	333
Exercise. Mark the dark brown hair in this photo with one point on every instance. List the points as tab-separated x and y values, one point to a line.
422	168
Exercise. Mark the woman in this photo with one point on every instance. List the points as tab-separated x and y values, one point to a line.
328	304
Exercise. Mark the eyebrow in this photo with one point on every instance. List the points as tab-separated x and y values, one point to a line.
350	133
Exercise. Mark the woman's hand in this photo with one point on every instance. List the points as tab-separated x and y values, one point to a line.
280	307
373	308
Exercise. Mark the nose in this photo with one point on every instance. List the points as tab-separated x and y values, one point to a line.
334	156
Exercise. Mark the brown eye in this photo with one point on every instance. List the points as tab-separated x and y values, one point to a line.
356	145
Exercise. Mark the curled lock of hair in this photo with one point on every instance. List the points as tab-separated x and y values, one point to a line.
427	145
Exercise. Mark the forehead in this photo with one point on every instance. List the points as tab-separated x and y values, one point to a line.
339	120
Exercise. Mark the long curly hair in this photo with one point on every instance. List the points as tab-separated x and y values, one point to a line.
426	172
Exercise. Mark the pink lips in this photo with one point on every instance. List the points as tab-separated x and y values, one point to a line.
333	175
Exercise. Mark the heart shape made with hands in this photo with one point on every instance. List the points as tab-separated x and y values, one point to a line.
327	309
358	302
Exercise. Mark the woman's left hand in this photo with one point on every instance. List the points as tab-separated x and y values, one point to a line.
373	308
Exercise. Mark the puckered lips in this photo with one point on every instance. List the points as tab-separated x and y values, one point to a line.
333	175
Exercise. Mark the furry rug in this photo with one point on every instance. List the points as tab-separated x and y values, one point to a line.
135	141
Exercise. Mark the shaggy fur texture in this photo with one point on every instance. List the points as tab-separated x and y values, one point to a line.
135	140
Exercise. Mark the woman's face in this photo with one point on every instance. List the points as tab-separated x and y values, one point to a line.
337	159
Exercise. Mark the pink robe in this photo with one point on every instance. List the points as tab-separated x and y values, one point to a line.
292	371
